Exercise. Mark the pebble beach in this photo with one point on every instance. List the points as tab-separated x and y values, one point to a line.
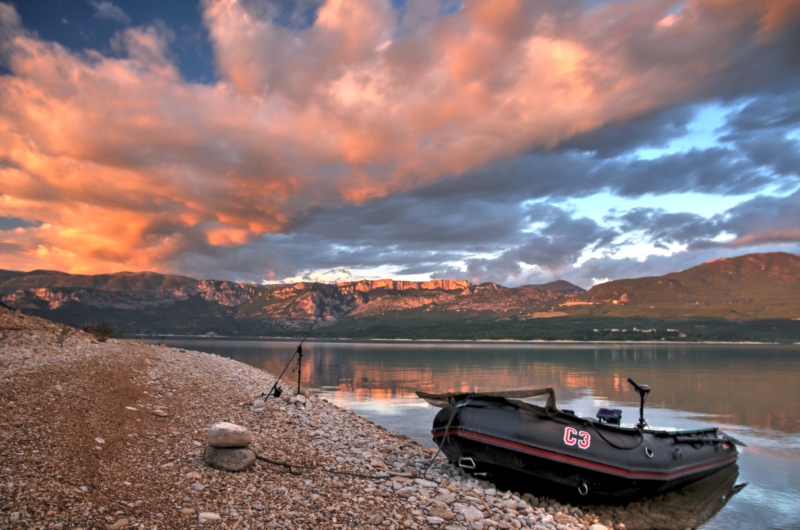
111	435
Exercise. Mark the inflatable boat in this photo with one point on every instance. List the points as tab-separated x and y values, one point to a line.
503	436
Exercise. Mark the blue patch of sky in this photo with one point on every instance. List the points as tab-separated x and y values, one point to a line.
600	205
703	133
677	8
296	15
79	25
11	223
448	7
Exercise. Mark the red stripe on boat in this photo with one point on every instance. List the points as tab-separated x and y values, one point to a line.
550	455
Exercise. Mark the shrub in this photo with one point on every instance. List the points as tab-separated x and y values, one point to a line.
102	331
62	335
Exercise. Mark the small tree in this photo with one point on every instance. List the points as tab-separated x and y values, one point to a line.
62	335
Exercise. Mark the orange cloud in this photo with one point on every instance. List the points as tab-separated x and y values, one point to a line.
776	15
127	165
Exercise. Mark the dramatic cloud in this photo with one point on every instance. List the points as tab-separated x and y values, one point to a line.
110	11
760	221
423	139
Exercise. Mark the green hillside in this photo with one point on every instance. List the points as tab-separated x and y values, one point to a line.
755	286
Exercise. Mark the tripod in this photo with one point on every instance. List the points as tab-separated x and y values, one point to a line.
276	390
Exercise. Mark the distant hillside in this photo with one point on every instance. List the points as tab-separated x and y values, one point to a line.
121	281
753	297
755	286
159	304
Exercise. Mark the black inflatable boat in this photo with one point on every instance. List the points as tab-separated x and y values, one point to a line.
500	435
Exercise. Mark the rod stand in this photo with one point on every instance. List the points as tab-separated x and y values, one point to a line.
299	366
276	390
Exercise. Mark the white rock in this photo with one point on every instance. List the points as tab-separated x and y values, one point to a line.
209	516
259	404
120	523
509	504
471	513
225	434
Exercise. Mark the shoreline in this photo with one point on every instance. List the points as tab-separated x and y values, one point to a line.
512	342
111	435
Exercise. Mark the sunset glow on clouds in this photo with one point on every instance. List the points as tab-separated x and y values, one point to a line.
488	140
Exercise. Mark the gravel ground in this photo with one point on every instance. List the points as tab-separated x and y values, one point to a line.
111	435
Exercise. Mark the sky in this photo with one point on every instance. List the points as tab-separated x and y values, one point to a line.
512	141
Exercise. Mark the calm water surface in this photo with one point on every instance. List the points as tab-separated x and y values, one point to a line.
750	391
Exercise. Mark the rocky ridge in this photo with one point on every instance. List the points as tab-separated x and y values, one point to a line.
151	303
747	298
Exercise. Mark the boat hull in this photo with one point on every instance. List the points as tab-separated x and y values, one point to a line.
585	456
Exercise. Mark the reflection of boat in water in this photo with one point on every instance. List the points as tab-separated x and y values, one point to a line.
689	507
511	440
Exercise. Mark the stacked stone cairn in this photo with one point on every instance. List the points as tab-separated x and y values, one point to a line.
228	447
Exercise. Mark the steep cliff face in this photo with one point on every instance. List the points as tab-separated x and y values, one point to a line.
366	286
228	294
53	298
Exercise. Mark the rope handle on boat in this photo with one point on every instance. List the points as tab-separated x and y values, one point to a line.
587	423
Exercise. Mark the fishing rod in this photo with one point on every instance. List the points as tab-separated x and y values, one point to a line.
299	352
276	390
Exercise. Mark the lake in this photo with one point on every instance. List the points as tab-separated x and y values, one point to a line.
751	391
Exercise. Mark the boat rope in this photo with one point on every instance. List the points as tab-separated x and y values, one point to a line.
615	446
291	469
445	437
600	434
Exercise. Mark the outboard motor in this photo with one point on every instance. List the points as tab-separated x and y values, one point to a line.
643	391
610	416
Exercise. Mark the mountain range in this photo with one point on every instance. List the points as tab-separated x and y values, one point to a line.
752	297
